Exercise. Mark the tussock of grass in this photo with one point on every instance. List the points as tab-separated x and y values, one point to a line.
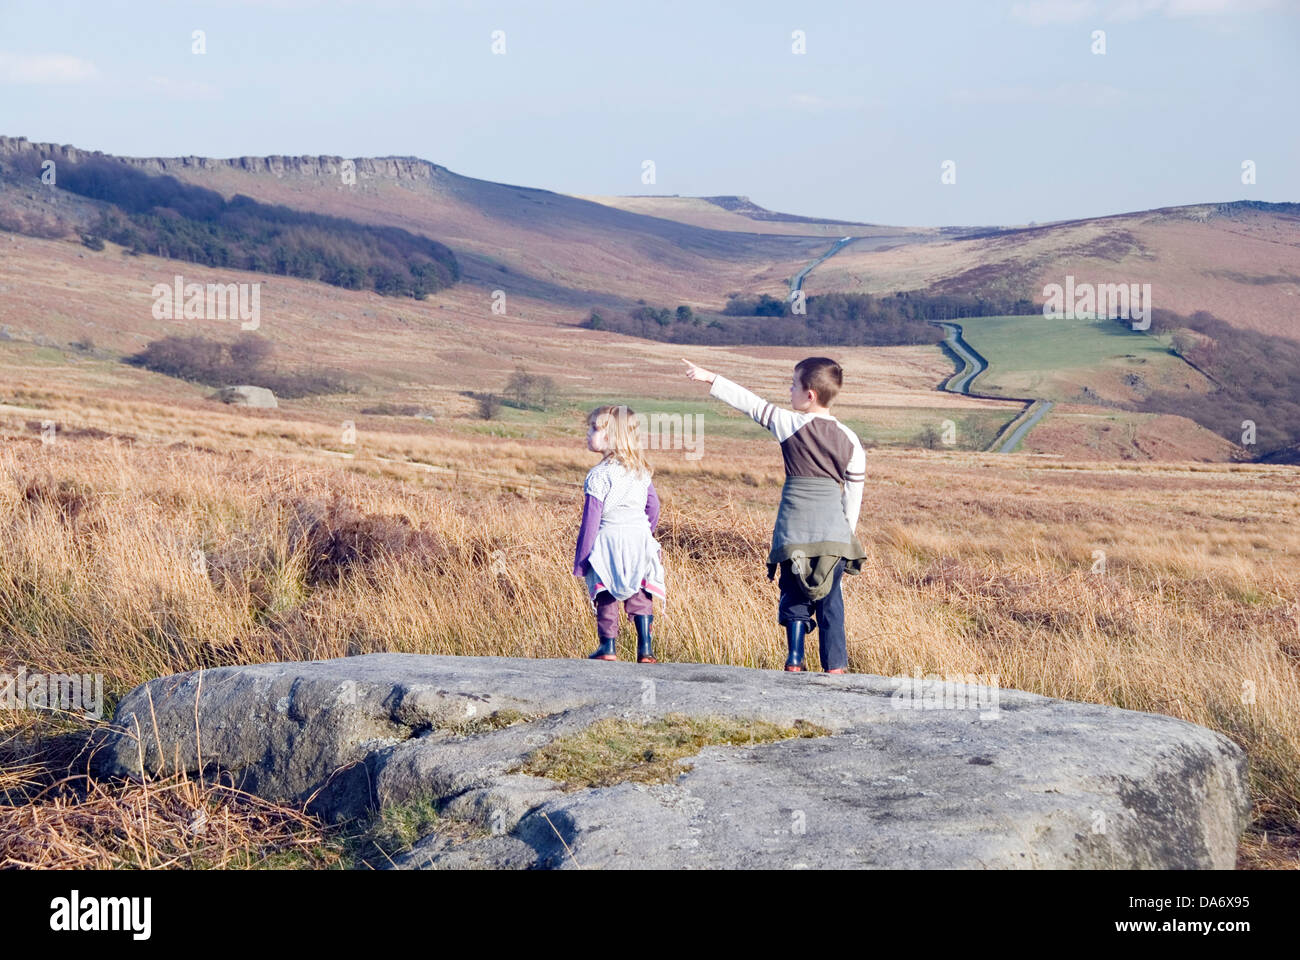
482	723
177	823
647	751
54	816
390	832
377	841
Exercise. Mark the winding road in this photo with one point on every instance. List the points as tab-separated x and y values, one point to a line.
1034	411
796	284
975	365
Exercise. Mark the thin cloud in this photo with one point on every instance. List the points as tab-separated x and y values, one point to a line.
45	68
815	103
1040	13
1175	9
1067	95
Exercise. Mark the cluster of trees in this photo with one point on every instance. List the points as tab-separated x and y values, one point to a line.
523	390
529	390
1257	378
764	306
832	319
217	363
973	433
162	216
644	319
915	305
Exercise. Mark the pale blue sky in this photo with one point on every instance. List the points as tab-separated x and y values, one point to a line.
856	128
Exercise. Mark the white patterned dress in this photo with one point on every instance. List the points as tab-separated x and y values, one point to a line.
625	556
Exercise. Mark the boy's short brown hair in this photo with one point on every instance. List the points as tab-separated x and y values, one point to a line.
822	376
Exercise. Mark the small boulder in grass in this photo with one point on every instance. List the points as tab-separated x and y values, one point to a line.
247	396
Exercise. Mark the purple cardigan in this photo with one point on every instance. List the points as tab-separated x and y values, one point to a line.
592	509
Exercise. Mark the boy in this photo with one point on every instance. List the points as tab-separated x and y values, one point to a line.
813	542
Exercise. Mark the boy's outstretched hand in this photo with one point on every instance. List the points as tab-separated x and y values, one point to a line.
697	373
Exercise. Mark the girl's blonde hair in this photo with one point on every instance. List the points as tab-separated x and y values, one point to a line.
622	429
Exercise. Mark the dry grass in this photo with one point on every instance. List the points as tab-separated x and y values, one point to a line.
56	816
977	564
175	824
615	750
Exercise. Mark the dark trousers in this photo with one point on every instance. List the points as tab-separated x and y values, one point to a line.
829	613
607	611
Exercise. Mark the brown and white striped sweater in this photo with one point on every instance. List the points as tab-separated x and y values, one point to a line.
812	444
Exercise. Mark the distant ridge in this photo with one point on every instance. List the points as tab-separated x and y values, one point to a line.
396	168
414	168
748	208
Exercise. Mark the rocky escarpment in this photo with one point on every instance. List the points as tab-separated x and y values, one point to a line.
1017	781
392	168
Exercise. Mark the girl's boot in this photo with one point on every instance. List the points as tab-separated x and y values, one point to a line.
644	652
794	633
605	651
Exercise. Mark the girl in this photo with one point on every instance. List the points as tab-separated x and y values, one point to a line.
617	552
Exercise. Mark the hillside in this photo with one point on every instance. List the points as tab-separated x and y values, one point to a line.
1074	360
555	257
54	293
526	241
1239	261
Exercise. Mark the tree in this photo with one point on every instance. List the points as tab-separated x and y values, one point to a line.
489	405
524	389
249	351
1183	342
543	391
928	438
519	387
685	314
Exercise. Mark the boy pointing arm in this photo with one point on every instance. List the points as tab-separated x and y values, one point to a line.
813	541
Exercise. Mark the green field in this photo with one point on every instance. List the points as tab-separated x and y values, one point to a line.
1071	360
924	427
884	426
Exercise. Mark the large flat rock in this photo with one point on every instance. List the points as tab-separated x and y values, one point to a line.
1031	782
